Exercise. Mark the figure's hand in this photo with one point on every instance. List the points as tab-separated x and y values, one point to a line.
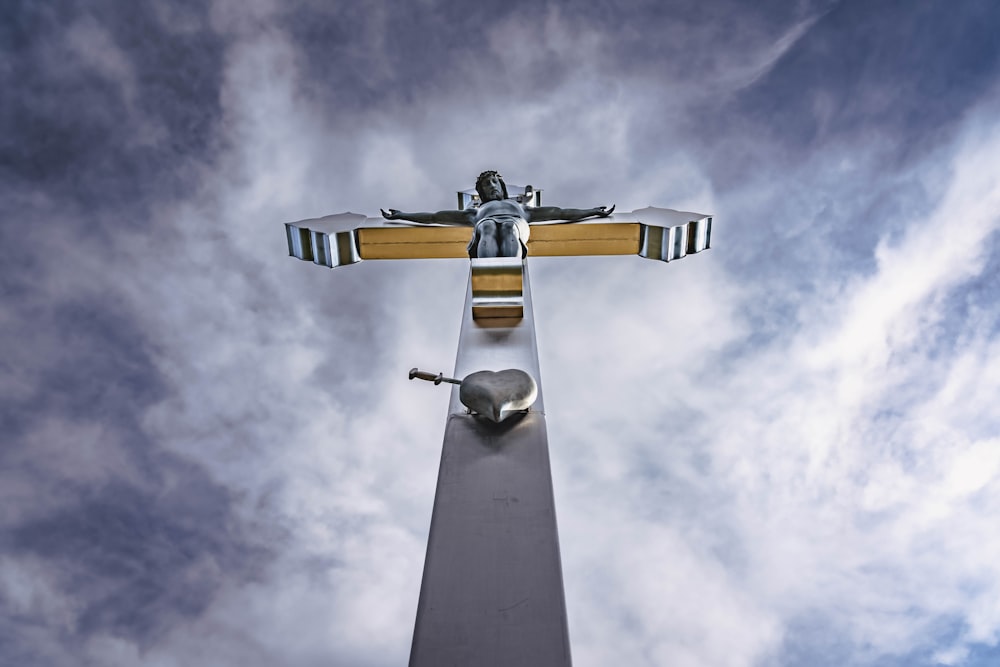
604	211
391	214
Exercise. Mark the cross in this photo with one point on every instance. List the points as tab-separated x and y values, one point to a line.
492	590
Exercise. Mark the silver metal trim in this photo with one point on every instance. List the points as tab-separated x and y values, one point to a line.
667	243
331	241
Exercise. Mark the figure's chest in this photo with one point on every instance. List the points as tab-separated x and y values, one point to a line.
505	207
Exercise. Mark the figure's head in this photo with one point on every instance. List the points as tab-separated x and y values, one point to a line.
490	186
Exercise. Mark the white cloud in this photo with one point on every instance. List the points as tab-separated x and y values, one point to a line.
711	493
876	527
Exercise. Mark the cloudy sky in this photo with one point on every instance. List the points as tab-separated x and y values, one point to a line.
784	451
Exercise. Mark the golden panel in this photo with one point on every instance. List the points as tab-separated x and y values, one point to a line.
498	315
594	238
556	240
497	282
413	242
497	288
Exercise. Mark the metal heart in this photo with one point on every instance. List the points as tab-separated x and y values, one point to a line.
498	395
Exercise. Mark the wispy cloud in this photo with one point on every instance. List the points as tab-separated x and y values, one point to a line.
778	450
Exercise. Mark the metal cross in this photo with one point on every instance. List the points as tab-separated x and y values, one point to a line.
492	591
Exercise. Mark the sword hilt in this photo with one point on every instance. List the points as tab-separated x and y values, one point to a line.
430	377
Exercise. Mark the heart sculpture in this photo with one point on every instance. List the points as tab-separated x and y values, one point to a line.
498	395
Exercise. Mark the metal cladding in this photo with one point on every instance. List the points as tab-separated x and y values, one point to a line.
331	241
492	587
299	244
669	243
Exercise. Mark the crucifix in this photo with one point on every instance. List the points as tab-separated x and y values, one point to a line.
492	589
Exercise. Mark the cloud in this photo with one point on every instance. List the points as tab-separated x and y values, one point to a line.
828	474
776	450
833	426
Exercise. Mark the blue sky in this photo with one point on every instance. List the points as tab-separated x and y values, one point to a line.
781	452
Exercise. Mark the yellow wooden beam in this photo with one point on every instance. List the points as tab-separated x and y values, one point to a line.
594	238
413	242
558	240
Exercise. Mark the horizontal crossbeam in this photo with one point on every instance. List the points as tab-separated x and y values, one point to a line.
348	238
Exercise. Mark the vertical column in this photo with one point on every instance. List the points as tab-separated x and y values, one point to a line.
492	591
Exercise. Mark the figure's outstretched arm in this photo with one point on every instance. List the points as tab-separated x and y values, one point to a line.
466	217
543	213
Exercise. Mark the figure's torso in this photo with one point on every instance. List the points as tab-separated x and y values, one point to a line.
498	209
504	210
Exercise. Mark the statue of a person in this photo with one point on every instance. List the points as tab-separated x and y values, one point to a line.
501	224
